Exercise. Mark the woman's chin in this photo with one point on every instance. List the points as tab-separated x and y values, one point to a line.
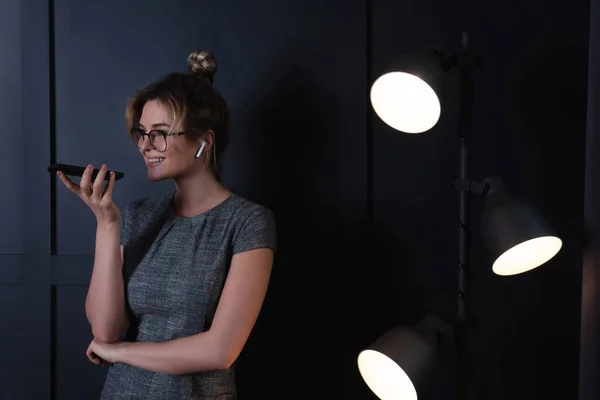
154	177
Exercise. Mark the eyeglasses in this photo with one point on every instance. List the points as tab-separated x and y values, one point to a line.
158	139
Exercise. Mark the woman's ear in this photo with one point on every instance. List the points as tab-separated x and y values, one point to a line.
209	139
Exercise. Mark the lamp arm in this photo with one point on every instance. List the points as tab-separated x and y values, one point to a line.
470	186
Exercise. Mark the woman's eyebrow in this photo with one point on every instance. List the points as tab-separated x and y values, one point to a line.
161	125
158	125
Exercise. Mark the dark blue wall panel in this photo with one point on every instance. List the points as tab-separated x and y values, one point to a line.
76	377
34	20
14	351
11	138
23	333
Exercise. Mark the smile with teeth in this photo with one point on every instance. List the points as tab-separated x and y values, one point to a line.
155	160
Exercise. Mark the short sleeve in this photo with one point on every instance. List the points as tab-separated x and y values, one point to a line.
258	231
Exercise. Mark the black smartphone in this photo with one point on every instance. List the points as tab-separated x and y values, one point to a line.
75	170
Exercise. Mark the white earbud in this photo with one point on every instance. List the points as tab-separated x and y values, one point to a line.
201	148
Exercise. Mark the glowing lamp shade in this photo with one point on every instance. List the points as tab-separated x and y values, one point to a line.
515	233
406	95
384	377
398	365
527	255
405	102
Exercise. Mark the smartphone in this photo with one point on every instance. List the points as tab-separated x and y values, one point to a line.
75	170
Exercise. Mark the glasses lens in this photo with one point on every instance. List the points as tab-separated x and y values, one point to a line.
137	137
158	140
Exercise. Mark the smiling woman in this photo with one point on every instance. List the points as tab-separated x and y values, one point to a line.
181	105
183	275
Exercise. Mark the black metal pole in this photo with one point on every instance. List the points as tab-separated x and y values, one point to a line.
466	102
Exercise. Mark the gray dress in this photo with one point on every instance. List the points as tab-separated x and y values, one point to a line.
174	270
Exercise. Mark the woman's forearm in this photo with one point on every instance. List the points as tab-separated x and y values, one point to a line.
176	357
105	302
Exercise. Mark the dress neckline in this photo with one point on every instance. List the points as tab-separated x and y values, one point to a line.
171	201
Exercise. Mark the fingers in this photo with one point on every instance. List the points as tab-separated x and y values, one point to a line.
91	189
110	186
99	183
93	357
86	182
96	360
69	184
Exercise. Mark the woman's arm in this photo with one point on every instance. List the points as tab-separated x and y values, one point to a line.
105	302
217	348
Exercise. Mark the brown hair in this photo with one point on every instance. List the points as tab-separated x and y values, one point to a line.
193	102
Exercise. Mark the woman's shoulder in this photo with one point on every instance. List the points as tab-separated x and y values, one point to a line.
243	208
254	225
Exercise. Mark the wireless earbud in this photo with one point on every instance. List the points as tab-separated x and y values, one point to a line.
201	149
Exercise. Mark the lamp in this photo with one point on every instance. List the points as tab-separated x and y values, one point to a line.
514	232
406	98
406	95
399	364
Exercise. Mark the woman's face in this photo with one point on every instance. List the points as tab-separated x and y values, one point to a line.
179	158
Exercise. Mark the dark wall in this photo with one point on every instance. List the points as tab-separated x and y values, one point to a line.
589	363
366	216
533	123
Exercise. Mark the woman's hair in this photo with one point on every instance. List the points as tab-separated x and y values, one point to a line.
193	103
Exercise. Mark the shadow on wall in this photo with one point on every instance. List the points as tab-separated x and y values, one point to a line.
322	287
553	110
553	105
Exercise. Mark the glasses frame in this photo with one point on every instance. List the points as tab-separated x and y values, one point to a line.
164	134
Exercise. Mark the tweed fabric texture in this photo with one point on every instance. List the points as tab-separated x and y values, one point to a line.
174	271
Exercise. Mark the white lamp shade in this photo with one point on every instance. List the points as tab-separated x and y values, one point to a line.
399	364
405	102
527	255
384	377
517	236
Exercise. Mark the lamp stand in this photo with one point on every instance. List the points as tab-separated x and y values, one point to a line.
466	62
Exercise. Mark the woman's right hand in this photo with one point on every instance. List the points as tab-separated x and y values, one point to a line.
98	200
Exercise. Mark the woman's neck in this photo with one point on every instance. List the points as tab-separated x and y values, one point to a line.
197	194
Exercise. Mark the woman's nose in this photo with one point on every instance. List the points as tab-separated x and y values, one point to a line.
144	143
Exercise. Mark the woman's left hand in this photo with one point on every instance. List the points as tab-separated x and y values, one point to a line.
101	353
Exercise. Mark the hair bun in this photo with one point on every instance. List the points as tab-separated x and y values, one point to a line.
202	63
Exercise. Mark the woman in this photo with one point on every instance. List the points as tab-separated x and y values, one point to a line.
183	276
